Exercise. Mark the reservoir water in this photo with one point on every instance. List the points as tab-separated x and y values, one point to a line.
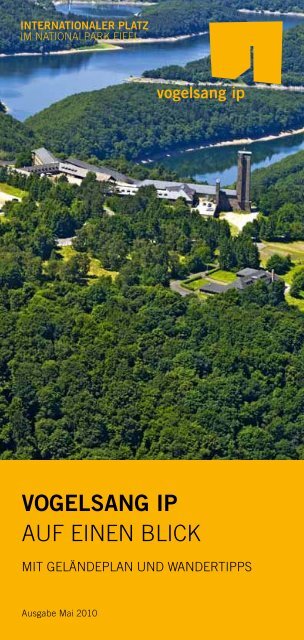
29	84
220	162
95	10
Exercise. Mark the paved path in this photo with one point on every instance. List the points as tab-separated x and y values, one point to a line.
239	220
6	197
175	285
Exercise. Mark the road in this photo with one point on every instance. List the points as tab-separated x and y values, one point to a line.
175	285
5	197
241	85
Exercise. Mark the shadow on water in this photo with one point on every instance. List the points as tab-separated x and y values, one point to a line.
220	162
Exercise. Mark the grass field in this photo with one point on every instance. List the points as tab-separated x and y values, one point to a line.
223	277
288	277
296	252
96	269
99	46
12	191
294	249
296	302
217	275
193	285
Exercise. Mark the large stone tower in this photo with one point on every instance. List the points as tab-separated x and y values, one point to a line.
244	180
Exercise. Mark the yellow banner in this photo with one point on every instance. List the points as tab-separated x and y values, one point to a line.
156	549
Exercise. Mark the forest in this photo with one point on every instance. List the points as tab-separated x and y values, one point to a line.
164	242
279	194
99	359
129	120
14	136
121	367
177	17
270	5
11	14
166	19
200	70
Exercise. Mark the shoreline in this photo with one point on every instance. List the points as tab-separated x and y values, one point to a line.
109	2
168	39
62	52
112	47
226	143
219	83
266	12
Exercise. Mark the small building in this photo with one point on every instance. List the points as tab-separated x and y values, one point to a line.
255	274
245	278
214	288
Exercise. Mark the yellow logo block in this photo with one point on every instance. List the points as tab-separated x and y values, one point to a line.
231	44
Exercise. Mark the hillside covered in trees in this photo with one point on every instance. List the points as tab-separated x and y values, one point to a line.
271	5
11	14
179	17
167	18
279	193
130	120
14	136
122	367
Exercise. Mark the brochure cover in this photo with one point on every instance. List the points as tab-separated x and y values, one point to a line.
151	319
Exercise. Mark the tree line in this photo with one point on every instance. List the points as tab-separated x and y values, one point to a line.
125	368
11	15
278	191
106	124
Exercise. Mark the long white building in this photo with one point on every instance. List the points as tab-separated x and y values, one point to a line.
212	197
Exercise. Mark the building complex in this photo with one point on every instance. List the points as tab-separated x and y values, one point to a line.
211	198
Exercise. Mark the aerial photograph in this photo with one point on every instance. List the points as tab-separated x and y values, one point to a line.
151	234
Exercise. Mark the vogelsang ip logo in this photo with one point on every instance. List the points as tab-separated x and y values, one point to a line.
231	45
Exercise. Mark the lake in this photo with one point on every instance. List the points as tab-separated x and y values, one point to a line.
31	83
106	10
220	162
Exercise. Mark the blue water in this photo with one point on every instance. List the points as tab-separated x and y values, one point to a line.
220	162
29	84
105	10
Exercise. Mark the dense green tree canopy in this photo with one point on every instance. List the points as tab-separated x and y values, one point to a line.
11	15
127	368
14	136
278	191
180	17
130	120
